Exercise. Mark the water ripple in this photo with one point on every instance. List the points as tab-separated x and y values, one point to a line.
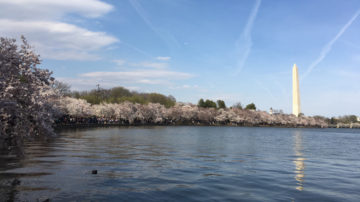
187	164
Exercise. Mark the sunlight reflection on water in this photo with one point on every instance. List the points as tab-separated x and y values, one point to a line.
299	161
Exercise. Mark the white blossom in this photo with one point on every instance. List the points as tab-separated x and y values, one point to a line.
25	94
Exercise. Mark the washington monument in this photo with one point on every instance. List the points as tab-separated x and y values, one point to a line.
296	92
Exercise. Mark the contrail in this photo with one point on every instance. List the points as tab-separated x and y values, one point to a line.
267	90
138	50
167	37
142	14
327	48
244	42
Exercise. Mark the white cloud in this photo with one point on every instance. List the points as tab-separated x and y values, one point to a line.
87	84
139	75
185	86
155	65
163	58
148	81
51	37
125	78
40	9
119	62
132	88
146	64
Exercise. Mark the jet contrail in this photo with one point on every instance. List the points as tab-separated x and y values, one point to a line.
244	42
327	48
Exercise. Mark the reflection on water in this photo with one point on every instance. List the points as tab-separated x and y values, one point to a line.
186	164
299	161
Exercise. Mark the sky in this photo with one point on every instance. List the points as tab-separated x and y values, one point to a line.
237	51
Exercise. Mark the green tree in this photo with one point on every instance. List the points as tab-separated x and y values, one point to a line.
161	99
118	92
121	94
250	106
75	94
134	99
334	120
201	103
348	119
210	104
221	104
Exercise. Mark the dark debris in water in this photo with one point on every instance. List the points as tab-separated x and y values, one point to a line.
15	182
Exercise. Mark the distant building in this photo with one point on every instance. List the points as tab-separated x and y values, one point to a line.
358	118
275	111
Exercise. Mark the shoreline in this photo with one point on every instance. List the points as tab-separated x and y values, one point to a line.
105	125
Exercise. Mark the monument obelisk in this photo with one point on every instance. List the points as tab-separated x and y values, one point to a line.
296	92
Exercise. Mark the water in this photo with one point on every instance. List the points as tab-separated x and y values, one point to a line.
187	164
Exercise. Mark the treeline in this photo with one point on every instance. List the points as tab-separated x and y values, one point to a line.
121	94
347	119
127	113
220	104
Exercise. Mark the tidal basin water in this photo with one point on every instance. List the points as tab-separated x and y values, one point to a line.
187	164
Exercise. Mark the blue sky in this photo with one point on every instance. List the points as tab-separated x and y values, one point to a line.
238	51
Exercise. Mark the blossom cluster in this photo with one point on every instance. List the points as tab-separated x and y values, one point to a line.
182	113
25	94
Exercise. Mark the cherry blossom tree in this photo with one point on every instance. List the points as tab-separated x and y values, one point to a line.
25	94
182	114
